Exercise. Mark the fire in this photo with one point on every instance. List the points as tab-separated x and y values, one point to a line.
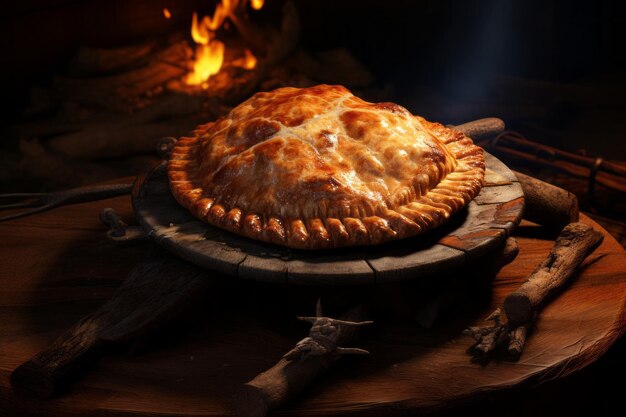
167	13
249	59
209	59
209	54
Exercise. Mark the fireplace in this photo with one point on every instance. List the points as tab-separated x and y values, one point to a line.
93	85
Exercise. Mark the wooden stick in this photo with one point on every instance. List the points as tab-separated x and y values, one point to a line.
547	205
153	293
515	141
574	244
481	128
575	171
517	340
291	375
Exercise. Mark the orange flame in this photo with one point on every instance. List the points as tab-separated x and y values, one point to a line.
209	54
248	61
199	30
167	13
257	4
209	59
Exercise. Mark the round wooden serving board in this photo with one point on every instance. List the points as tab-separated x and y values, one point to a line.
479	229
59	266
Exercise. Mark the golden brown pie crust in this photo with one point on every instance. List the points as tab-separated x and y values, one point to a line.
320	168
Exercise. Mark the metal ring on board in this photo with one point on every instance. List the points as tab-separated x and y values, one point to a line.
164	147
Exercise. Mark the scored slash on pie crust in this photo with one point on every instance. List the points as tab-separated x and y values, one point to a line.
317	167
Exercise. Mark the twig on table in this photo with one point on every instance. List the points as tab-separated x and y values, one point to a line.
575	242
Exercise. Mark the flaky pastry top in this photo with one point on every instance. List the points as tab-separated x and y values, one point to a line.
319	167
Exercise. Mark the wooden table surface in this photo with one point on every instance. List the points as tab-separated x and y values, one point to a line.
59	266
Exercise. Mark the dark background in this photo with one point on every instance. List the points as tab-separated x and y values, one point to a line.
553	69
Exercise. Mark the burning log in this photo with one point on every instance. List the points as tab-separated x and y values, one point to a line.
274	45
300	366
230	72
118	92
572	246
123	92
94	61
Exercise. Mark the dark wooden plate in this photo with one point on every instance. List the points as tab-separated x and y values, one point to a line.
477	230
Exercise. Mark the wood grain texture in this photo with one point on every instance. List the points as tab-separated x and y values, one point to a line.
427	261
499	194
547	204
470	234
59	266
291	375
575	242
156	289
497	173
